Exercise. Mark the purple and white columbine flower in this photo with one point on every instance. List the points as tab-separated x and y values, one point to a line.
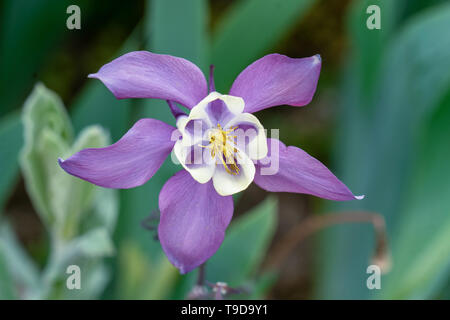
196	204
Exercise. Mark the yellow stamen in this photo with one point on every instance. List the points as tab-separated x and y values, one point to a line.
223	145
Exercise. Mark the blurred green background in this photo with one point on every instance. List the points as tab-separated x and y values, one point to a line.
380	120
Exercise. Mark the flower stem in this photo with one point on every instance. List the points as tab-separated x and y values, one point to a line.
316	223
201	275
199	291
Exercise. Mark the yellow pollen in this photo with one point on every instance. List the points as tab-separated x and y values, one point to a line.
222	144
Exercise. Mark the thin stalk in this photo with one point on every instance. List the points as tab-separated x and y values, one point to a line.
201	275
316	223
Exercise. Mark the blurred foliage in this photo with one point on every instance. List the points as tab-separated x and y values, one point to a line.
78	216
247	242
244	34
22	48
386	152
392	142
10	144
160	35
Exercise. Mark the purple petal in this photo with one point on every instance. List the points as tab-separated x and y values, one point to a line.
276	80
128	163
293	170
193	220
142	74
197	128
218	112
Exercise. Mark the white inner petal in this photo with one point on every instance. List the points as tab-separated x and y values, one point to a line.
221	157
198	112
201	169
235	104
252	140
227	184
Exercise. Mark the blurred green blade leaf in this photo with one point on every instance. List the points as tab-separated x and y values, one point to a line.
144	278
422	247
246	242
178	27
368	45
11	140
248	30
28	30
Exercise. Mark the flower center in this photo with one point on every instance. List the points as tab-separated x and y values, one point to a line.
222	143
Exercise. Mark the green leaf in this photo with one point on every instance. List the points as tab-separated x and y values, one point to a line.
93	244
82	251
422	246
245	245
44	109
144	278
43	114
368	45
178	27
49	147
59	198
29	29
103	212
22	270
249	30
63	200
11	140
